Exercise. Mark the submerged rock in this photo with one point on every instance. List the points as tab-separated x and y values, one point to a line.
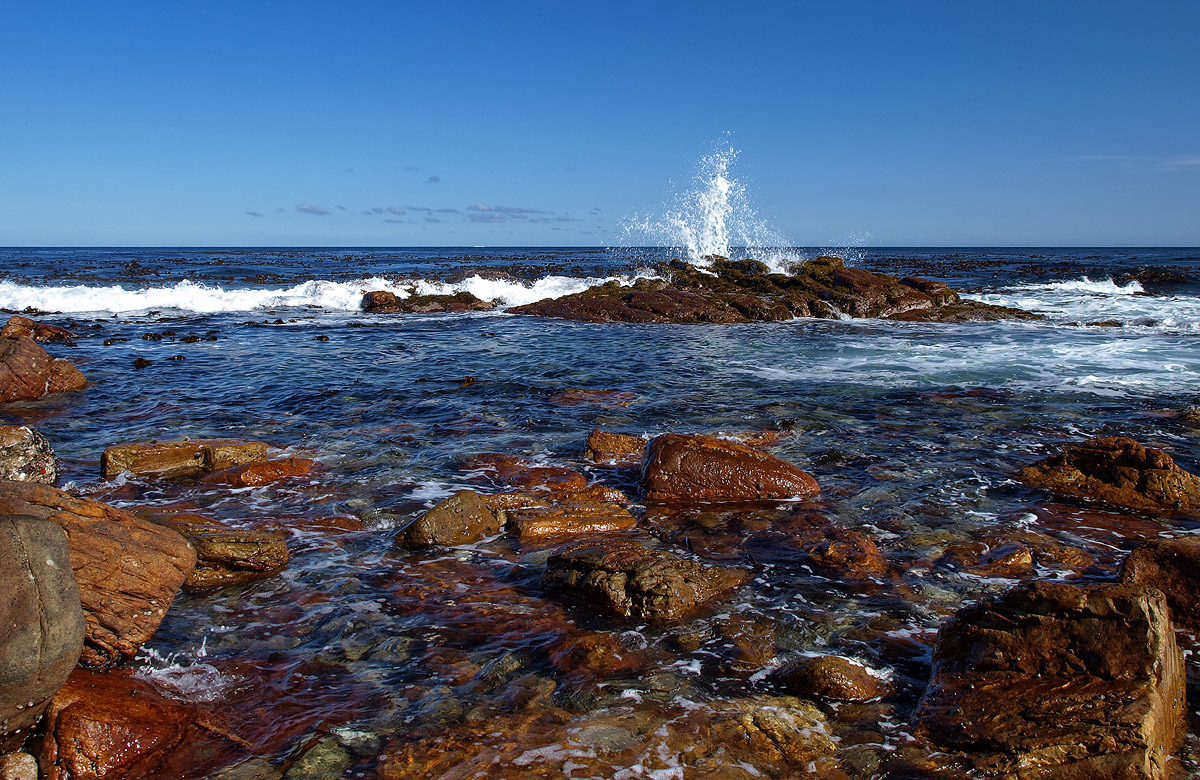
745	291
41	622
26	456
225	555
614	449
263	472
1172	566
1059	681
1117	472
179	458
631	580
832	678
128	569
705	468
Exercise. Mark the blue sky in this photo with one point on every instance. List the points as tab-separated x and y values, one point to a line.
403	124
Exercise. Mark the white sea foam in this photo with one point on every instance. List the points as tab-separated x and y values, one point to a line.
197	298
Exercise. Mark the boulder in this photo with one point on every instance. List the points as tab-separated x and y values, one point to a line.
614	449
832	678
23	326
384	302
262	473
28	373
380	302
569	519
179	458
1172	566
1117	472
225	555
41	622
841	552
704	468
463	518
111	727
1059	681
64	377
630	580
26	456
128	569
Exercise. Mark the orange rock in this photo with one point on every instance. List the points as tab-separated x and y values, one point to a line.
179	458
23	326
574	519
614	449
24	369
262	473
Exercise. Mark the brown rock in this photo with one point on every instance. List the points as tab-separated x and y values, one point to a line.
23	326
24	369
41	622
594	653
128	569
503	503
1172	566
614	449
1059	681
515	471
1118	472
18	766
110	726
463	518
64	377
832	678
574	396
179	458
594	493
704	468
573	519
842	552
262	473
26	456
380	302
225	555
633	581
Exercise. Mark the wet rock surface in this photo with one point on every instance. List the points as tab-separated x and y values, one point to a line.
463	518
1117	472
170	459
227	555
41	622
1172	566
745	291
26	456
570	519
1059	681
832	678
605	448
128	569
28	373
385	302
678	467
631	580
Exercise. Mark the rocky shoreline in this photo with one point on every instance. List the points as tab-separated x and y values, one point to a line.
1075	674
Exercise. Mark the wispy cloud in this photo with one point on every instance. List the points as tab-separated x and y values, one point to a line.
1178	162
434	180
320	211
255	214
1192	161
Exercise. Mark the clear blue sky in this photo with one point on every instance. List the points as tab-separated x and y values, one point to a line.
530	123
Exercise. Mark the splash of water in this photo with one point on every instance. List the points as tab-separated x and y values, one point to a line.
714	217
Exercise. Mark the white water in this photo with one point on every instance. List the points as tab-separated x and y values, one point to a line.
714	216
196	298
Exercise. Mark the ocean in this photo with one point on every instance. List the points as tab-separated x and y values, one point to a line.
914	432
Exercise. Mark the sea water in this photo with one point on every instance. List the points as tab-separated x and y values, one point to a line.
913	430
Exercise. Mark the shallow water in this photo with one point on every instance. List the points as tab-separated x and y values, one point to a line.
913	431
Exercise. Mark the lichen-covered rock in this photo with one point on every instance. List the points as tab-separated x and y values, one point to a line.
26	456
128	569
1118	472
704	468
1059	681
179	458
1172	566
630	580
41	622
463	518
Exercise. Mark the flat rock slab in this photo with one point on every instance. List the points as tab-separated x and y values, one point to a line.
682	468
179	458
1118	472
1172	566
630	580
227	555
570	519
1059	681
605	448
128	569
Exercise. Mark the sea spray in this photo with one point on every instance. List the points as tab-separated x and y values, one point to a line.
714	216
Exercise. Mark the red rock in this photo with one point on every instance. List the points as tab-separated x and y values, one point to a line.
516	471
24	369
704	468
23	326
128	569
262	473
614	449
1118	472
64	377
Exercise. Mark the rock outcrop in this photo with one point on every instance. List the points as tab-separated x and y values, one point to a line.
170	459
1172	566
746	291
1058	681
685	468
1117	472
385	302
128	569
38	331
227	555
26	456
628	579
28	373
41	622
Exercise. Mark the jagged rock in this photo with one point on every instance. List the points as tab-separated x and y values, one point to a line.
26	456
832	678
128	569
1059	681
570	519
41	622
614	449
630	580
1172	566
463	518
179	458
384	302
705	468
225	555
1117	472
